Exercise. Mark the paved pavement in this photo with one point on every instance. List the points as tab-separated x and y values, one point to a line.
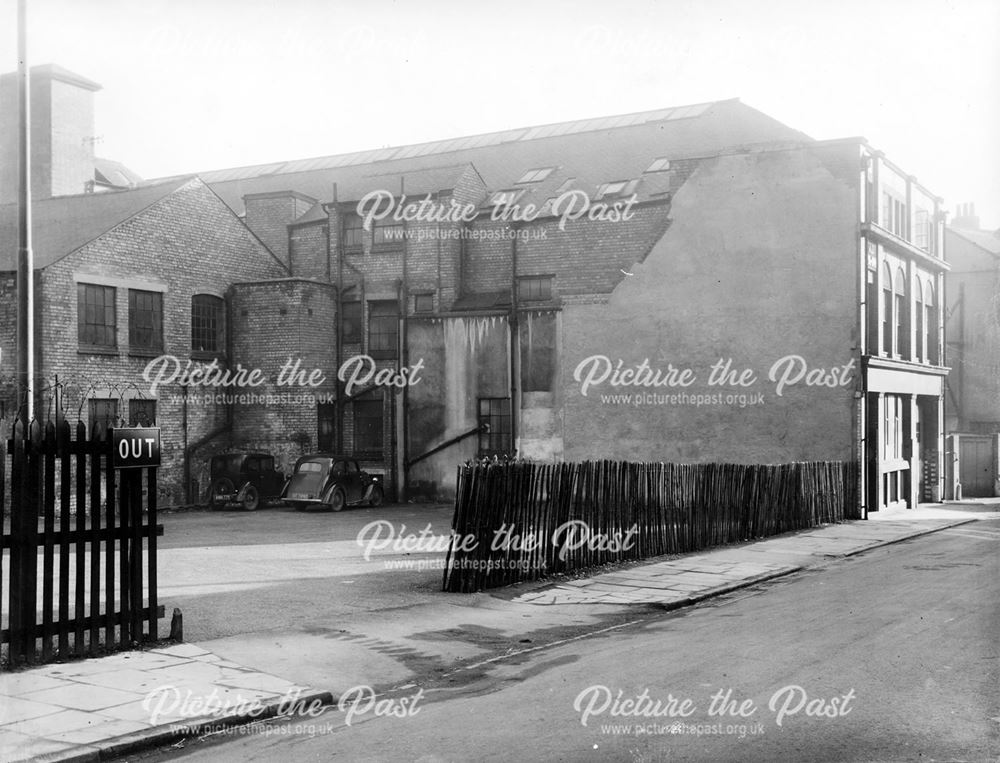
98	708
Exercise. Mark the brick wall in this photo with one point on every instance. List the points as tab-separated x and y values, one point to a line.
268	215
187	243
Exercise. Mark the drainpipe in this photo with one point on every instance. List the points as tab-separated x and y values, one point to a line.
404	362
515	345
339	333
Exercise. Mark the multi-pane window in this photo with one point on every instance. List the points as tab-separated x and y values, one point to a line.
900	314
326	417
893	214
97	325
145	321
532	288
893	427
494	423
659	165
922	230
208	323
886	310
350	322
103	415
383	329
930	325
423	303
919	338
141	412
354	234
368	432
388	233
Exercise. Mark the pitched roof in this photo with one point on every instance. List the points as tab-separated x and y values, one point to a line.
63	224
590	151
984	239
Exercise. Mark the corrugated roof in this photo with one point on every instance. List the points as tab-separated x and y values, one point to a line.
593	151
63	224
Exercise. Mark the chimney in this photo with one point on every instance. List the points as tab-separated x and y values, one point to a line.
62	132
965	217
268	215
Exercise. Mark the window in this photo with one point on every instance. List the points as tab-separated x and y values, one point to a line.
901	315
616	188
383	329
538	352
930	325
326	416
103	415
145	321
893	428
97	325
350	322
886	310
208	323
494	422
659	165
893	214
506	197
536	175
534	288
423	303
388	233
354	234
919	351
141	413
368	433
922	232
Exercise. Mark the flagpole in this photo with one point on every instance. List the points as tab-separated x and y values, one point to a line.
25	258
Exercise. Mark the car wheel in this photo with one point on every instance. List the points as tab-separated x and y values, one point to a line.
251	499
337	501
219	488
376	499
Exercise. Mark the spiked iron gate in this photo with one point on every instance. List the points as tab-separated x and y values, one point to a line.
80	580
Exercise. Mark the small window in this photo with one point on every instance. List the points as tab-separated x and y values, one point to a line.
141	413
208	323
97	324
350	322
565	185
354	234
506	197
145	321
383	329
103	415
617	188
659	165
423	303
536	175
368	433
494	423
534	288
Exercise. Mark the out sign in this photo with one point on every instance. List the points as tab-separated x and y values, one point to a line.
135	447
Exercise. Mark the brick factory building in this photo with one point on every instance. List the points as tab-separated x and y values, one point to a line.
699	283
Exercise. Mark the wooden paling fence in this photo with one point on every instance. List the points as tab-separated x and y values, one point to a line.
520	521
79	554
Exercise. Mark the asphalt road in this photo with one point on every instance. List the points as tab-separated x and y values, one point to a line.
888	656
234	572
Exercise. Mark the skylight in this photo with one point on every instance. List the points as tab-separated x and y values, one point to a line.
659	165
536	175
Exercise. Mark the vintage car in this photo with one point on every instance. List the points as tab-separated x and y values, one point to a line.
246	479
326	480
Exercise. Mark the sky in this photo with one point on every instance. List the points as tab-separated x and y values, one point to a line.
194	85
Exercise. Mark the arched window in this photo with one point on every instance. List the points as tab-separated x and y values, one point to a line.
920	344
900	314
931	325
208	324
886	310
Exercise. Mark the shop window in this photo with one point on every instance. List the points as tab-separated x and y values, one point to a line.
145	322
494	423
97	324
208	324
383	329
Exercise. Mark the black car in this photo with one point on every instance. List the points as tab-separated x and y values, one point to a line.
244	478
330	481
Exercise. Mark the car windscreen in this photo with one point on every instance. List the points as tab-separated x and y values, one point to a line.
311	466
